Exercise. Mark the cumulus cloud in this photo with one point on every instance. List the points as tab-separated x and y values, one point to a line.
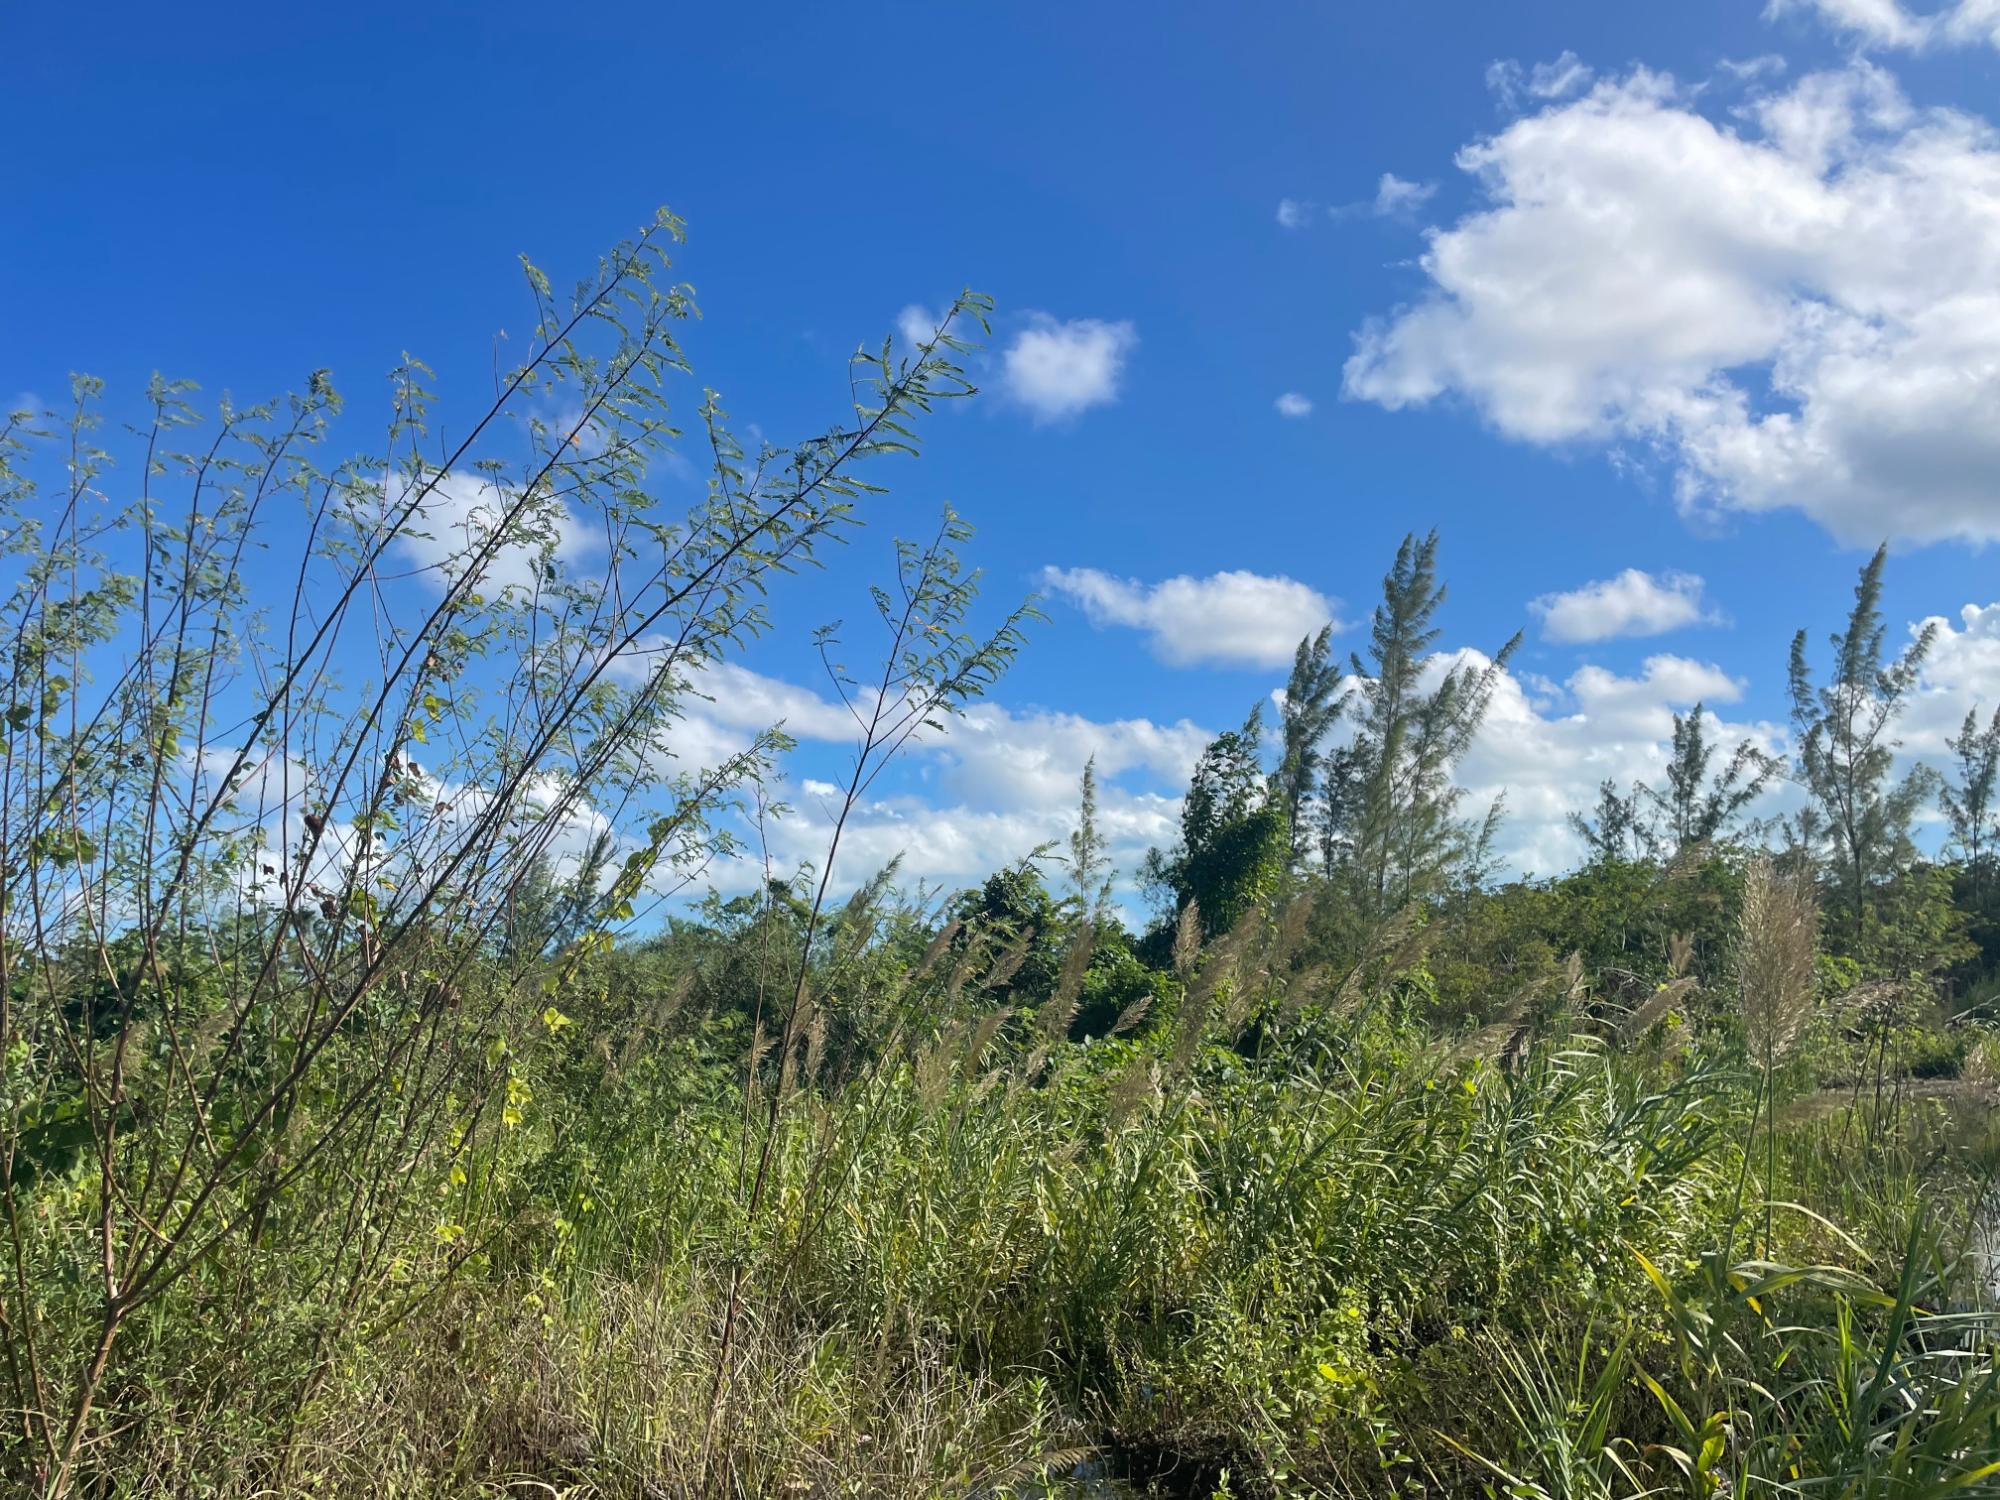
461	513
1559	79
1236	617
736	696
985	788
1961	673
1292	404
955	845
1546	747
1888	23
724	705
996	758
996	782
1000	783
1799	311
1294	213
1633	603
1057	370
1664	679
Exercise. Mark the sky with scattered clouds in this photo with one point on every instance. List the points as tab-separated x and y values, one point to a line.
1663	316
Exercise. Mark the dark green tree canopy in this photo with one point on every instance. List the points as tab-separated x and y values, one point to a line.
1234	845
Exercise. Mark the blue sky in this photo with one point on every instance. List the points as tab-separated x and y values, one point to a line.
1697	290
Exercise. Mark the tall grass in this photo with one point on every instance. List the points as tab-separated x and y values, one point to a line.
1350	1265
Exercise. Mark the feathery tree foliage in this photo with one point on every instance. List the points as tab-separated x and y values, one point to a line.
1089	862
1695	808
1313	703
1616	829
1392	833
1845	749
1969	802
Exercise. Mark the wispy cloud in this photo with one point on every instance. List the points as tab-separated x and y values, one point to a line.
1889	23
1557	79
1751	69
1394	197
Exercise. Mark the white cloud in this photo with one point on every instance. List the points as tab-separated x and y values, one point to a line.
1666	680
996	782
992	783
1294	212
1633	603
992	787
915	324
996	758
1961	673
1059	369
1560	78
999	783
1548	751
1394	197
956	845
1292	404
1801	313
1750	69
1888	23
459	515
738	698
1236	617
1503	78
723	706
1545	80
